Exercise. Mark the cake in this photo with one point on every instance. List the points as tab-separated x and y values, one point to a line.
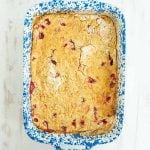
74	79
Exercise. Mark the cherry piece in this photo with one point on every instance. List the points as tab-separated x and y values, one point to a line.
91	80
54	62
32	87
47	21
41	35
108	98
82	122
62	24
74	123
35	119
64	128
112	84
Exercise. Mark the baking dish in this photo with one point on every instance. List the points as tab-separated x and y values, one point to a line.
59	141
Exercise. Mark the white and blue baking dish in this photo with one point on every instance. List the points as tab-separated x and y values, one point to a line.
58	140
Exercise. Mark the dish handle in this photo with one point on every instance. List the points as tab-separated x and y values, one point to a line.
71	147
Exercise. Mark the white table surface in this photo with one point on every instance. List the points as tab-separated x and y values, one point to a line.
135	134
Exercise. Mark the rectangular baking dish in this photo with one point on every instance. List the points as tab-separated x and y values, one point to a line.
73	140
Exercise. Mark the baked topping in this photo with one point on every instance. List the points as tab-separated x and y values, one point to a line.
73	73
54	77
86	51
90	29
36	26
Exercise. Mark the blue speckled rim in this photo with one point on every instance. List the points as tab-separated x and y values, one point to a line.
58	139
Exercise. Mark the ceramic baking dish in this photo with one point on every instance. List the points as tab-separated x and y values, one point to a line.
73	141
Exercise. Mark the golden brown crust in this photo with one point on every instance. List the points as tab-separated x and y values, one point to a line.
74	73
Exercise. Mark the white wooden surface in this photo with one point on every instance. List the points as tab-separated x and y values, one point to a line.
136	131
